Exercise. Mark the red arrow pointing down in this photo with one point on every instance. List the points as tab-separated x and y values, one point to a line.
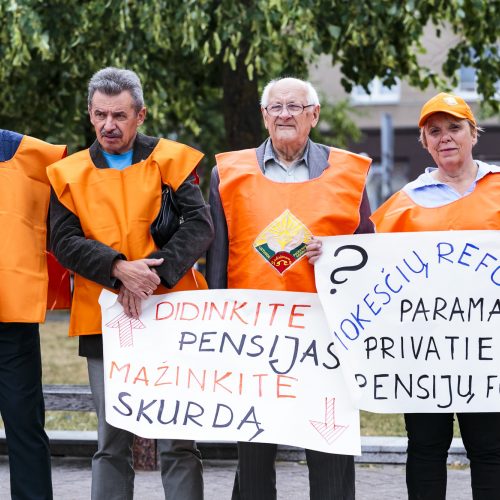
328	429
125	326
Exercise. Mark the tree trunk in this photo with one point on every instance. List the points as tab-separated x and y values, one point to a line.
242	117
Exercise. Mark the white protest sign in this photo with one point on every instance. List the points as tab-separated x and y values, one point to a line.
228	365
415	318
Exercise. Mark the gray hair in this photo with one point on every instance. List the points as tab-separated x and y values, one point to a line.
113	81
312	95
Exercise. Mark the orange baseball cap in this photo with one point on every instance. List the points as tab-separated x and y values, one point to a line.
446	103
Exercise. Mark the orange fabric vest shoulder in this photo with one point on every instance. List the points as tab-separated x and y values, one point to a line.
24	203
117	207
478	210
270	222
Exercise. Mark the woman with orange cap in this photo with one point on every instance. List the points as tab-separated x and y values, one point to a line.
460	193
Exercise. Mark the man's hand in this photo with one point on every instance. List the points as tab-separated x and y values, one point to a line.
131	303
314	250
136	275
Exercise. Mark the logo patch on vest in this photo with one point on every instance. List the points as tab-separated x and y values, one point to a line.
283	242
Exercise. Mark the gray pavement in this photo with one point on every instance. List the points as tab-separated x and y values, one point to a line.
71	480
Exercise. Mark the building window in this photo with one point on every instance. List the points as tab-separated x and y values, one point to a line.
467	86
379	93
467	79
467	83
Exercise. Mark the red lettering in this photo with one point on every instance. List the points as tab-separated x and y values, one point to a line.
234	312
259	376
201	383
279	384
294	314
196	311
257	311
115	366
162	374
273	314
142	376
213	307
218	380
241	383
160	304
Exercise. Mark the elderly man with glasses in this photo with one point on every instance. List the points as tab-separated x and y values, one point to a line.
269	203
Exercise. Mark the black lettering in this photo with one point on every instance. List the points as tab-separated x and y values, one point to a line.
121	398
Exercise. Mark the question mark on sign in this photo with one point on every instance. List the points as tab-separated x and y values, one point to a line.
364	259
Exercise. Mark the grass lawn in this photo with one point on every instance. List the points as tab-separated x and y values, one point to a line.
378	424
62	365
60	361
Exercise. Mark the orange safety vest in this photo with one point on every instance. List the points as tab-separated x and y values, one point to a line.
269	223
478	210
24	204
117	207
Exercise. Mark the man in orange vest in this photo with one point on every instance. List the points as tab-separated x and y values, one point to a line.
103	204
269	202
24	203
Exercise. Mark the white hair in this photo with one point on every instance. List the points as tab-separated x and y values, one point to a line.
312	95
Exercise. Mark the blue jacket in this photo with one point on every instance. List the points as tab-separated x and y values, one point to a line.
9	142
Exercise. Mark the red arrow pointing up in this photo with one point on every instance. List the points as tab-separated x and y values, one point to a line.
125	325
328	429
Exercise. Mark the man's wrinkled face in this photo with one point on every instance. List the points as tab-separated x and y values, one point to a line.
287	131
115	121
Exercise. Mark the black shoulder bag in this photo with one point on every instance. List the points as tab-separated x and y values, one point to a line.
168	219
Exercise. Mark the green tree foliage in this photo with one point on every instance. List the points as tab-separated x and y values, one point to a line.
203	62
336	121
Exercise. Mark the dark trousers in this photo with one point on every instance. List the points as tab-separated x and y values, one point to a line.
22	410
429	438
331	477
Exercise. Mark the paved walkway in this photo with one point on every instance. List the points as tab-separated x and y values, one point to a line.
71	478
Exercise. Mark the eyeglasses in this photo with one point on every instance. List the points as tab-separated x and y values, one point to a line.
293	109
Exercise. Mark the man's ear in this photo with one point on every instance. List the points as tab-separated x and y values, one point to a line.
265	117
316	112
141	116
90	115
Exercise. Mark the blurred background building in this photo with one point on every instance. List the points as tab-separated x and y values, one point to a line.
388	119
